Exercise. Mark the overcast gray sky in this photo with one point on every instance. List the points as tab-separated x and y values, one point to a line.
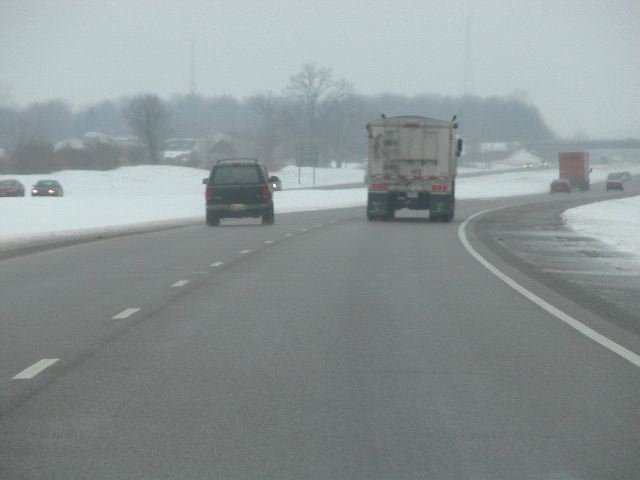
578	61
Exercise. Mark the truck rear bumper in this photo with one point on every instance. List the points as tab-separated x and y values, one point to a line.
379	203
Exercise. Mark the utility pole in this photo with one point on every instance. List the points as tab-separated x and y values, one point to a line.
467	88
468	66
192	81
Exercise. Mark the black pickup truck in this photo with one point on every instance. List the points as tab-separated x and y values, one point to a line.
236	188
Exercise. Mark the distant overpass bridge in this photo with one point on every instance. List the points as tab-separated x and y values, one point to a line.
627	149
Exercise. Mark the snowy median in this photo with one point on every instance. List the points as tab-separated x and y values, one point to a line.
139	198
132	199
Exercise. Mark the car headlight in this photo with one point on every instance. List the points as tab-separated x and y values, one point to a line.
51	191
34	191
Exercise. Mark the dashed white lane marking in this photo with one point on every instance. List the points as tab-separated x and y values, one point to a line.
268	242
243	252
334	221
288	234
559	314
216	264
126	313
180	283
303	230
35	369
319	226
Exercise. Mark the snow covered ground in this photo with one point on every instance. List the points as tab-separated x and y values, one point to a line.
616	222
135	198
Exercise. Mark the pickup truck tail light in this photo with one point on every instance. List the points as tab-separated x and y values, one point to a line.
266	192
209	193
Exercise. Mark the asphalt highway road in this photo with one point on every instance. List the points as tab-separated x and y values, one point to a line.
323	347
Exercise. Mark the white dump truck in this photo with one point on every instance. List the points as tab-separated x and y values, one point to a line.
412	164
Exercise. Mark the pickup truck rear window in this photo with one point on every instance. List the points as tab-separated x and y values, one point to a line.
236	175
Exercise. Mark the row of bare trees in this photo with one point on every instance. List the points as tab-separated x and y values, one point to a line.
314	107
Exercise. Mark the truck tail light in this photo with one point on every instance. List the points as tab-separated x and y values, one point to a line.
209	193
266	192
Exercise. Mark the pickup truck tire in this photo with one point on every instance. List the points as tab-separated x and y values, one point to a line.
212	220
269	218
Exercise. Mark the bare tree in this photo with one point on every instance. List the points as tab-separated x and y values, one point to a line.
272	123
49	121
148	118
316	92
39	123
33	157
310	87
341	128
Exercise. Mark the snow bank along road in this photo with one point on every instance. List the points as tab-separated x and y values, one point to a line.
142	198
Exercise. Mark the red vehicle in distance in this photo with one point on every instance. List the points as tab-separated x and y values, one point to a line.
11	188
561	185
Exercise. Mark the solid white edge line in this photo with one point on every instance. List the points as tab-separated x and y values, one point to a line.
180	283
559	314
216	264
35	369
126	313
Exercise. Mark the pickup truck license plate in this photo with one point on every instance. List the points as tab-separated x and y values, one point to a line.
236	206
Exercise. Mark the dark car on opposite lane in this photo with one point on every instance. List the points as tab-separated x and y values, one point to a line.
615	180
239	188
11	188
47	188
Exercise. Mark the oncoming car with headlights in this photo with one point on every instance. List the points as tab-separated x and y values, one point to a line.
47	188
276	183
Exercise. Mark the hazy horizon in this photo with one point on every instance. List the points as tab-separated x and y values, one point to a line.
577	61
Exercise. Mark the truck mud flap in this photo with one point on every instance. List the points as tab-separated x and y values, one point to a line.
377	205
441	204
